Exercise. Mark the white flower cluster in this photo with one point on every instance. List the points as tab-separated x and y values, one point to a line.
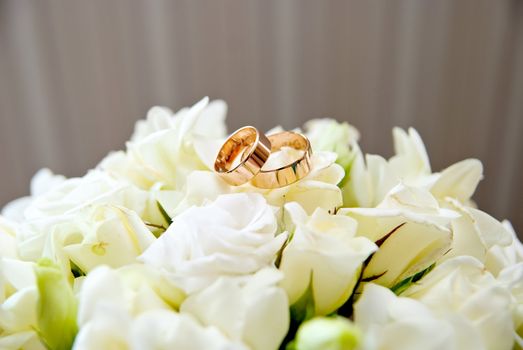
153	250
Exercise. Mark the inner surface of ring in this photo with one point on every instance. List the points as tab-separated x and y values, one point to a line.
287	139
243	142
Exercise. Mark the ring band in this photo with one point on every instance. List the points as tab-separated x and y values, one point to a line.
254	148
290	173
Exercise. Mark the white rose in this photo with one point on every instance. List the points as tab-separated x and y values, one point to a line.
372	177
250	309
204	118
329	135
389	322
76	194
18	305
8	247
476	234
43	181
18	295
201	187
101	234
411	162
162	329
511	278
121	309
462	289
323	247
109	235
234	235
412	230
499	257
70	201
166	148
23	340
132	289
367	180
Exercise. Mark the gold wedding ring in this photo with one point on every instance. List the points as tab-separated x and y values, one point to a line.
254	149
289	173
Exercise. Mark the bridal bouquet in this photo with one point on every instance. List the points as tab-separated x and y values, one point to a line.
190	239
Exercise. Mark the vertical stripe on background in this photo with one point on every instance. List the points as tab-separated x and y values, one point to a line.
75	75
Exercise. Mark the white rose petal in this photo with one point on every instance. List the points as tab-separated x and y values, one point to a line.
459	181
234	235
201	188
158	118
476	232
8	247
499	257
368	180
23	340
511	278
112	236
121	309
18	300
461	287
249	309
162	329
61	208
105	288
391	322
411	162
165	148
414	230
42	182
75	194
325	248
371	177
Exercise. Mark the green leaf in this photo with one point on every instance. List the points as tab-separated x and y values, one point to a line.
56	308
75	270
165	216
401	286
291	345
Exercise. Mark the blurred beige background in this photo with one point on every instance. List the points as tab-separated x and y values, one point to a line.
75	75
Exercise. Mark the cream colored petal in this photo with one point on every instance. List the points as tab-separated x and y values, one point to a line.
252	310
389	322
323	246
162	329
412	248
500	257
27	340
459	181
211	121
18	312
117	237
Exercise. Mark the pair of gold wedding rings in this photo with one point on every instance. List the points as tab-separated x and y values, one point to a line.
254	149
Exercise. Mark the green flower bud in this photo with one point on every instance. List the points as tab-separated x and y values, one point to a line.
330	135
57	306
327	333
